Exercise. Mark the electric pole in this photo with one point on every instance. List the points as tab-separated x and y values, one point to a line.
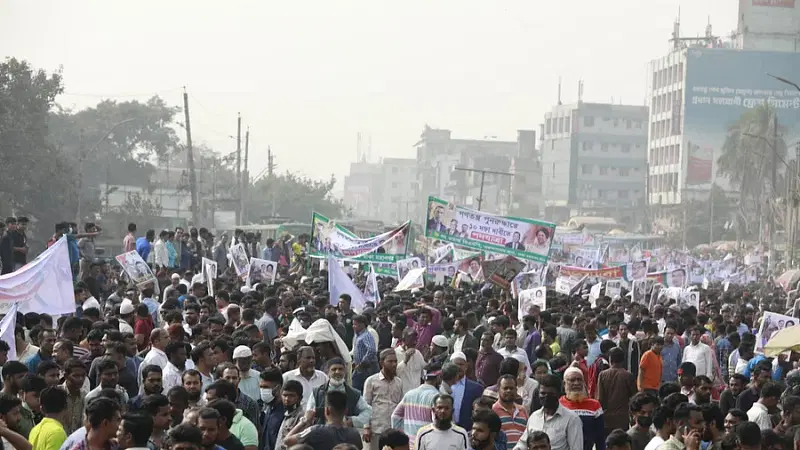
239	167
271	178
483	178
245	176
190	158
771	254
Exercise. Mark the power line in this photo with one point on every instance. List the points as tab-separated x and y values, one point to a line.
120	95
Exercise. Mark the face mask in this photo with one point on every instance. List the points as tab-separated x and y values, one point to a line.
644	421
335	382
266	395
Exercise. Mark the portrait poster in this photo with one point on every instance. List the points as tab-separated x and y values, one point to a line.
530	298
772	323
137	270
209	274
404	265
261	271
239	259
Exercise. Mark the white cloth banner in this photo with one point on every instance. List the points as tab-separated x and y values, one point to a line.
44	285
415	278
339	283
7	326
371	292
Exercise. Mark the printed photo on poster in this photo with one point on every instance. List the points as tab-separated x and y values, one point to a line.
639	292
209	271
637	270
523	238
330	238
689	298
239	258
404	265
261	271
529	299
771	324
676	278
138	271
613	288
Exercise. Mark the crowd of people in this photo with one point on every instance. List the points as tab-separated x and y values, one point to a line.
166	366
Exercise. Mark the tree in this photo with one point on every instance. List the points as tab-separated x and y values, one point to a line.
35	178
114	142
137	204
294	197
748	154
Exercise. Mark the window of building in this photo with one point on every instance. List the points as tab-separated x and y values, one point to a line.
394	185
603	170
587	146
586	169
616	122
603	147
624	171
638	123
601	194
626	148
567	129
627	123
394	170
622	194
548	124
588	121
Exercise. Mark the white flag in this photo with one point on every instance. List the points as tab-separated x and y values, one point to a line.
371	292
339	283
7	326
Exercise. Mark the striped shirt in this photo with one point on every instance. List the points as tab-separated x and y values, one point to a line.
512	423
432	438
365	350
414	411
81	353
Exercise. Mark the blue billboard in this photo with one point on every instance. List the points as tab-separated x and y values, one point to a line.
721	86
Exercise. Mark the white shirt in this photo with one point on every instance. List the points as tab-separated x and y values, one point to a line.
171	377
654	443
759	415
564	429
409	373
518	354
431	438
318	379
459	342
160	254
154	356
249	384
124	327
702	357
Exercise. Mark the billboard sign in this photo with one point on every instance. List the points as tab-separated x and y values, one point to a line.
721	86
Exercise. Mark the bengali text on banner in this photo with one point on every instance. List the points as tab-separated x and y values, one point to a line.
523	238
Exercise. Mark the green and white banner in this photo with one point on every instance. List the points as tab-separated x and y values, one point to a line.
331	239
523	238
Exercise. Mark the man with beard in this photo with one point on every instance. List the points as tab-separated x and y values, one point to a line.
360	411
151	384
306	373
690	425
383	391
414	411
485	428
442	433
513	417
488	364
176	357
438	350
563	427
702	391
335	431
727	400
588	409
193	384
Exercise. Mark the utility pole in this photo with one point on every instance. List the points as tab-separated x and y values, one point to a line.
483	178
239	167
771	253
245	176
711	216
190	158
271	178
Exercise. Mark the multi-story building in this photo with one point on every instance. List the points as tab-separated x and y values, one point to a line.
441	161
594	161
362	187
704	89
399	190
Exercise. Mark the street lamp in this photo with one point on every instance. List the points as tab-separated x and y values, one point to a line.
785	81
82	157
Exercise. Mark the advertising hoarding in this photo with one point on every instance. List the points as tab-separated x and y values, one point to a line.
721	86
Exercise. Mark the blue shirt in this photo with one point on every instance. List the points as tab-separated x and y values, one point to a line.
267	254
671	356
35	360
458	397
74	251
594	351
143	248
152	308
365	348
172	254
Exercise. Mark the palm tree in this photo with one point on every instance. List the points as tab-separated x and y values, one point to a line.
747	159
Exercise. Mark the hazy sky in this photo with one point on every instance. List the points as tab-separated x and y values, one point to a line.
308	75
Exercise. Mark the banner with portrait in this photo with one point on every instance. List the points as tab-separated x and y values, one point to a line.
522	238
137	270
239	259
261	271
331	239
208	273
502	272
404	265
530	298
771	323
